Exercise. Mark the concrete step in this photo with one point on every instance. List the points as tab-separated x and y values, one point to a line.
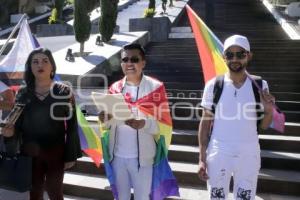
235	13
185	110
268	142
255	43
181	35
269	159
266	50
249	32
269	139
194	101
273	75
191	64
177	77
86	185
186	174
76	188
291	129
199	86
288	63
188	127
184	29
268	181
176	93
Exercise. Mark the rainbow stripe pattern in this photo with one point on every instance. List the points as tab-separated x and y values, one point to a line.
89	140
164	183
209	47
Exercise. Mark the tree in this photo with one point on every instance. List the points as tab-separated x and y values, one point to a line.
92	4
82	23
7	7
59	5
107	22
151	4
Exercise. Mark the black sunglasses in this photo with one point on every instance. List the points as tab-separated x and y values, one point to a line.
239	55
132	59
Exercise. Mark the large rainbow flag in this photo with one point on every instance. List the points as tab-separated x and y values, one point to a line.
164	183
12	69
210	48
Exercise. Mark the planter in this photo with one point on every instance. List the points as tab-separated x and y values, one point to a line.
15	18
158	27
48	30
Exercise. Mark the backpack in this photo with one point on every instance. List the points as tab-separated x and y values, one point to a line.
218	88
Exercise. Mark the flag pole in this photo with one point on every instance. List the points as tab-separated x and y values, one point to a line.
12	33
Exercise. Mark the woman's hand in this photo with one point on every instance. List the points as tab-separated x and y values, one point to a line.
8	130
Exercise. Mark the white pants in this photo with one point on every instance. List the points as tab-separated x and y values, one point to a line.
244	168
127	174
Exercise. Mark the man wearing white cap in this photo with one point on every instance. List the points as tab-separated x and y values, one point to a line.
229	146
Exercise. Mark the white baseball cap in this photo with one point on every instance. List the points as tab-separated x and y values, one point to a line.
237	40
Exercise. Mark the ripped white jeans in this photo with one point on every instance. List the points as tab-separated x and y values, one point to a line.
244	167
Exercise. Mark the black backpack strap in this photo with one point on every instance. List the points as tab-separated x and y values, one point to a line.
218	88
258	108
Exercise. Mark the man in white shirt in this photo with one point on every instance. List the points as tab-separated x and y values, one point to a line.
132	145
229	146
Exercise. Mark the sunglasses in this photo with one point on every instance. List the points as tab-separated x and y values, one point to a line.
239	55
132	59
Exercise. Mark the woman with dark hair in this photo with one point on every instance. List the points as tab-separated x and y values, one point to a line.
47	125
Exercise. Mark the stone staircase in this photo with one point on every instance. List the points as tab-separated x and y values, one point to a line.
176	63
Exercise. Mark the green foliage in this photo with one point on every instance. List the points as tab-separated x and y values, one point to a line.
59	5
92	4
151	4
82	23
107	22
56	13
7	7
70	1
53	17
149	13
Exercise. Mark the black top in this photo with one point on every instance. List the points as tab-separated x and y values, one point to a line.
50	122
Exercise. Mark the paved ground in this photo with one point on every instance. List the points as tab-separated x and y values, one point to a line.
202	194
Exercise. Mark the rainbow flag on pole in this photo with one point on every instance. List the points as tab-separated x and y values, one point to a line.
12	69
209	47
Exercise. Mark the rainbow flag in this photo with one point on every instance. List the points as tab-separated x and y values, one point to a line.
89	140
210	48
12	69
164	183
